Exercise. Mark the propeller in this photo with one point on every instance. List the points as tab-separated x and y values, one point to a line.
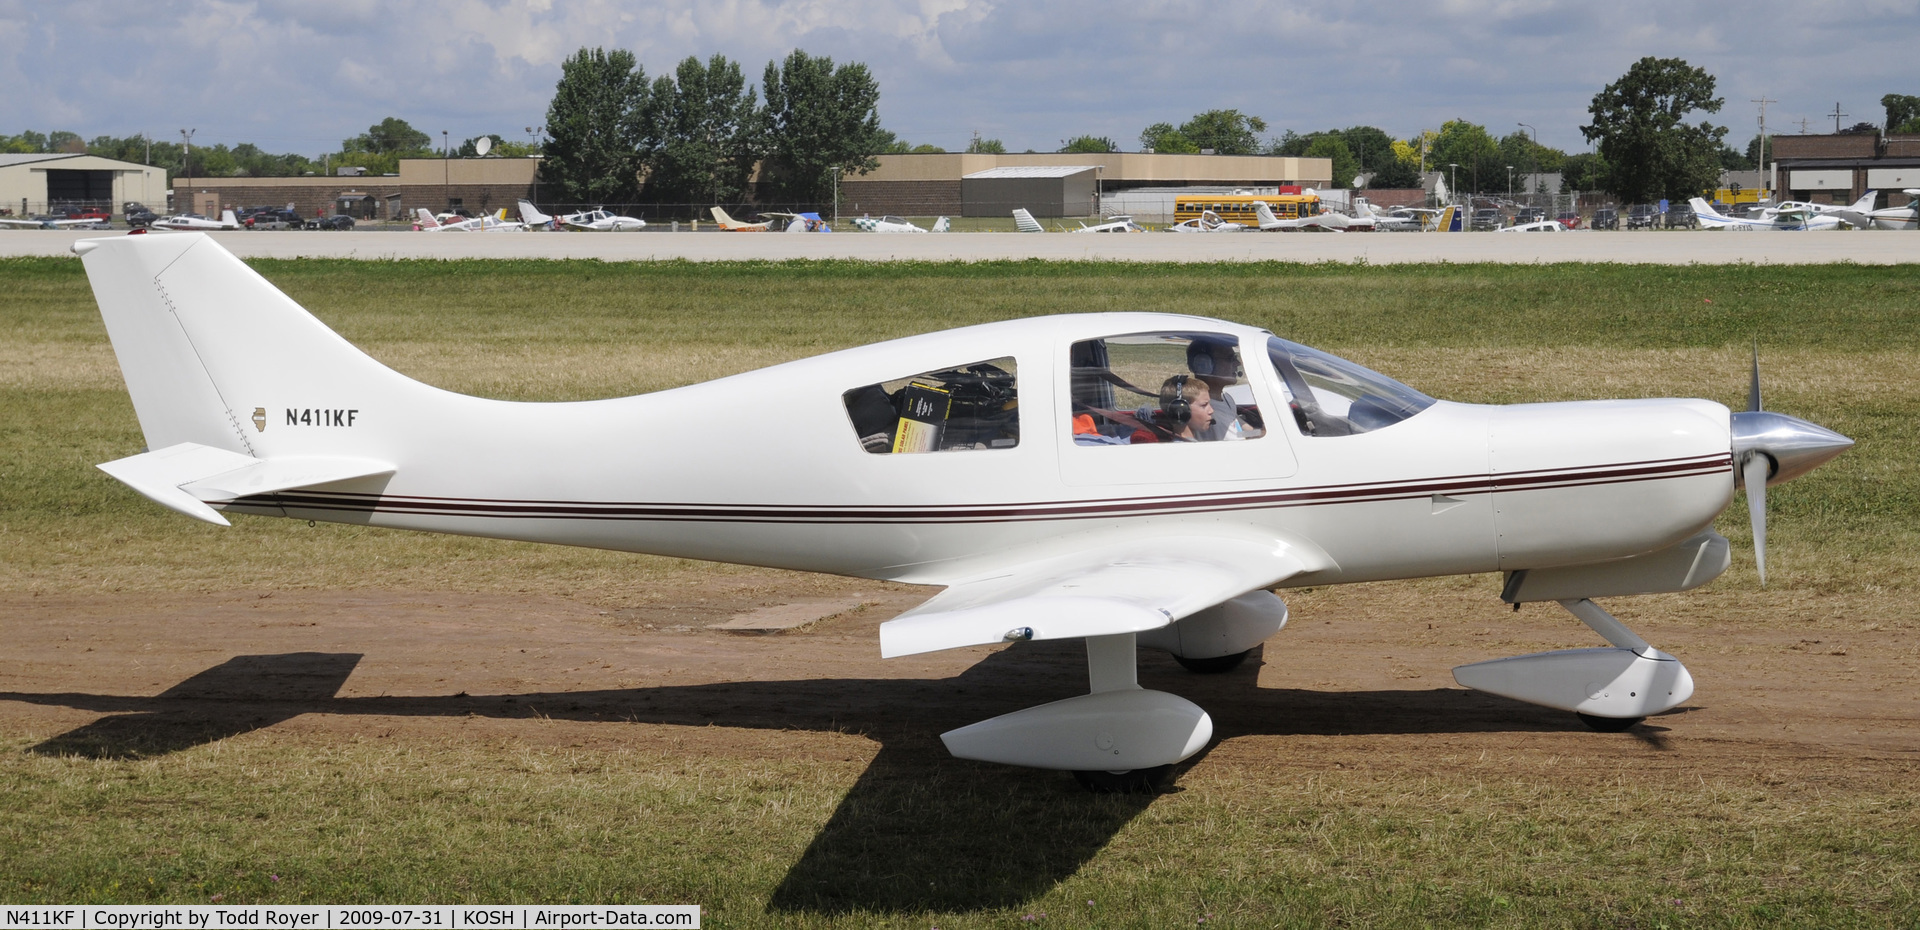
1769	448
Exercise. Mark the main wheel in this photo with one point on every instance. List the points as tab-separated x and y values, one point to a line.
1609	724
1134	781
1214	665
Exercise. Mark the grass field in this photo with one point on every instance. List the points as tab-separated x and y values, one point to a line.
770	838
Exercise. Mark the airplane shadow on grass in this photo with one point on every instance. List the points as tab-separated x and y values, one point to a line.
918	831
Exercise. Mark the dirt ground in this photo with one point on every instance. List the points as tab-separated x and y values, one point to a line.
1360	676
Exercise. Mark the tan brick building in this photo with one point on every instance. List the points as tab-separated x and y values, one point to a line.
481	185
928	185
1840	168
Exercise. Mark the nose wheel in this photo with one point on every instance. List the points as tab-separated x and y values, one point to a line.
1136	781
1609	724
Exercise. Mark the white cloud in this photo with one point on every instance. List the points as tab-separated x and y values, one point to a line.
294	75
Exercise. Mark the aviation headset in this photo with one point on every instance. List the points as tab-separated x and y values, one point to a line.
1174	406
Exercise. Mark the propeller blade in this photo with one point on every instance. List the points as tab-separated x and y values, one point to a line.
1754	472
1753	388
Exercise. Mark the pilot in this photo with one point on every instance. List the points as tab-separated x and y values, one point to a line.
1214	362
1185	413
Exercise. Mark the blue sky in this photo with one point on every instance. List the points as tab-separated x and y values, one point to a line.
300	75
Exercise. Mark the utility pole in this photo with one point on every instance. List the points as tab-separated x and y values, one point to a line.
1760	162
186	162
446	186
1836	117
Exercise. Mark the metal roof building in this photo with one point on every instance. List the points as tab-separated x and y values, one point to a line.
1045	190
932	184
43	183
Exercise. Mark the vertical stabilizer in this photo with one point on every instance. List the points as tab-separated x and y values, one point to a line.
1024	222
214	354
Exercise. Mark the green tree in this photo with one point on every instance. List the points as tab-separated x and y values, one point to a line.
1226	132
390	136
596	127
1470	146
819	120
1753	153
1331	146
707	122
1586	171
1639	123
1166	140
1903	112
1396	174
979	146
1371	146
1093	145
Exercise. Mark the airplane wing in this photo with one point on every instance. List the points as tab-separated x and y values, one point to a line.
1129	587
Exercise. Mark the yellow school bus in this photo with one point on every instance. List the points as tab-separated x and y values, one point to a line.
1238	208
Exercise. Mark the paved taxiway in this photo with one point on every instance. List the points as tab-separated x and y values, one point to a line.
1719	247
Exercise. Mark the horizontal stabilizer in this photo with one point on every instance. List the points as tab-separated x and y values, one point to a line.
186	476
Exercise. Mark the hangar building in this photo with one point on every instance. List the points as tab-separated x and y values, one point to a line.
39	184
965	184
478	184
1840	168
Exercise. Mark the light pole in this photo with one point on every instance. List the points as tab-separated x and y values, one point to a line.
1453	185
446	185
836	194
1509	182
1533	154
186	162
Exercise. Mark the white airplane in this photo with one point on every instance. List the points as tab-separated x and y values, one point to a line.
1775	218
603	221
193	222
47	222
1862	215
895	224
425	221
729	224
803	222
1315	222
596	220
1856	214
1207	222
1114	224
1536	226
1008	462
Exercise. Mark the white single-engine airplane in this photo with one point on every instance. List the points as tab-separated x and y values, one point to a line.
596	220
1119	223
1207	222
193	222
1786	220
425	221
1064	477
1312	222
895	224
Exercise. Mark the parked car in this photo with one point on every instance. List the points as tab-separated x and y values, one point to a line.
1486	218
141	217
1641	216
1681	216
1606	218
274	218
1569	220
1528	215
341	221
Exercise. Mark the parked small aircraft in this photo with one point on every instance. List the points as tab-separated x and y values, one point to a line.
1775	218
1861	215
802	222
1126	479
194	222
48	222
1312	222
425	221
729	224
1207	222
895	224
1857	214
1114	224
1536	226
603	221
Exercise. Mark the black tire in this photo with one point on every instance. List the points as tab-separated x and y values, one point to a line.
1609	724
1135	781
1214	665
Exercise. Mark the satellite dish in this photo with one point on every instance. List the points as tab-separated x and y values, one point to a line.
483	145
1359	181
